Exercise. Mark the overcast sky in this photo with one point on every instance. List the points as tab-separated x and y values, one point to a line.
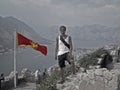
68	12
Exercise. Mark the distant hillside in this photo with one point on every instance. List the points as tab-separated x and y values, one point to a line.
88	35
7	27
96	32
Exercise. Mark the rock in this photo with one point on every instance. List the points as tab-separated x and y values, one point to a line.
97	66
82	85
80	75
92	82
82	69
95	79
52	69
90	73
91	67
27	75
99	78
115	71
106	81
99	72
60	86
99	85
11	75
117	66
113	84
99	60
118	83
108	75
85	77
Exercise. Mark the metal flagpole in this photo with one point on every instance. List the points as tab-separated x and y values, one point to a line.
15	59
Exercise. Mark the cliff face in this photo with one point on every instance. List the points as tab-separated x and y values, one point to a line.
94	79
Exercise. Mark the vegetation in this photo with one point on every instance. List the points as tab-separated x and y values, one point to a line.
91	59
50	82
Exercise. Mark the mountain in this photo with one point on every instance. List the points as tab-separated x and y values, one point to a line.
95	35
88	35
7	27
96	32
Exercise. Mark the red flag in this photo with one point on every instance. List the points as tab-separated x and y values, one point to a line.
23	41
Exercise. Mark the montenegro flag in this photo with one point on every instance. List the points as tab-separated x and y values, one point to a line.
23	41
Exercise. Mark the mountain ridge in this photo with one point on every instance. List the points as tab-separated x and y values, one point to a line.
10	24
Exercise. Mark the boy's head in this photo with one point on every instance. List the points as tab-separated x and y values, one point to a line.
62	30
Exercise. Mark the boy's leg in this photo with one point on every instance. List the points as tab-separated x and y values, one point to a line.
73	66
70	60
62	80
61	61
62	74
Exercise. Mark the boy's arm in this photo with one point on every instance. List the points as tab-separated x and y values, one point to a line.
56	48
71	46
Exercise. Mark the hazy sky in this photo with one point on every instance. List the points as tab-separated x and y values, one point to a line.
68	12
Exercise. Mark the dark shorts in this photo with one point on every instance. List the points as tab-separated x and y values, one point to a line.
62	58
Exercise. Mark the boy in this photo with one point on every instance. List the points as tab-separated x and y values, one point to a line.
63	51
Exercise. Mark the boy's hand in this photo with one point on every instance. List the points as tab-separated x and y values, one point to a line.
55	57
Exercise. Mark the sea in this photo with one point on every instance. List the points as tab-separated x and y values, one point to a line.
32	59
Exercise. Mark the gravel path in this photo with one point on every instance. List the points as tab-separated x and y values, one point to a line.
26	86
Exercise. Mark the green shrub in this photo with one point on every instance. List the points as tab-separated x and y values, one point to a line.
91	59
51	81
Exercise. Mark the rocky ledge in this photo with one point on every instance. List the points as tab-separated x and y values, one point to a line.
94	79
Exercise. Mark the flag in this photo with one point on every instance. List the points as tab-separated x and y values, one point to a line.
23	41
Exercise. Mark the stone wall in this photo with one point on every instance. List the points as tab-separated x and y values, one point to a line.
94	79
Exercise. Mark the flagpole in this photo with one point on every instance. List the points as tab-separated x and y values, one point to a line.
15	59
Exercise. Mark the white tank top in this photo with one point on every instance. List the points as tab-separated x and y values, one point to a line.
62	49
